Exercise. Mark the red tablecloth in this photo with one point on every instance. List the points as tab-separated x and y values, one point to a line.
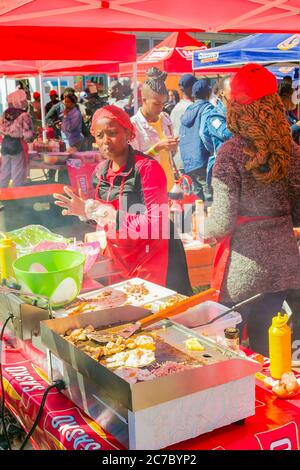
63	425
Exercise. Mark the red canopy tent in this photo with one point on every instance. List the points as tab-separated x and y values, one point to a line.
156	15
174	55
38	43
96	51
30	68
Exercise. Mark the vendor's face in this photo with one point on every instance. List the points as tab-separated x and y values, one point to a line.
153	104
112	138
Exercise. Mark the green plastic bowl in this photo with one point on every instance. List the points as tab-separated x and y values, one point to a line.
56	274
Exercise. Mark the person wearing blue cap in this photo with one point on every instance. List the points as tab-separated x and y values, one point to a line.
193	147
185	83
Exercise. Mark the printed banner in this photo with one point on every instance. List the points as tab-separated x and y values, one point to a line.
63	426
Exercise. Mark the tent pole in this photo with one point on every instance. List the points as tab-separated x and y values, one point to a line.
298	93
42	106
135	88
5	102
58	87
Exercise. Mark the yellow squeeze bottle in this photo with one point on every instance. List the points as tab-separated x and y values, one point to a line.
7	256
280	348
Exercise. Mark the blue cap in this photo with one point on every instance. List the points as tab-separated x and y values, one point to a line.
201	89
187	81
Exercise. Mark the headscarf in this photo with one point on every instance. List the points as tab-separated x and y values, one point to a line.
17	99
114	113
256	113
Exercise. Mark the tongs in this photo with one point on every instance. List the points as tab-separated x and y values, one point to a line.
181	307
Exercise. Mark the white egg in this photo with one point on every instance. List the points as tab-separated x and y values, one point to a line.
144	339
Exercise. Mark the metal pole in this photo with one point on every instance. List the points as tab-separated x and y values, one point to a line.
135	89
5	103
58	87
42	107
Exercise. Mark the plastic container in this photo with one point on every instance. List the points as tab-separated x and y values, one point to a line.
280	348
8	254
56	274
196	318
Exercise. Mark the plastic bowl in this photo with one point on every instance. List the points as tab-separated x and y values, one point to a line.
56	274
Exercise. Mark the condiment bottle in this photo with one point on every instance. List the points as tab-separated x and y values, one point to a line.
280	349
7	256
232	338
198	219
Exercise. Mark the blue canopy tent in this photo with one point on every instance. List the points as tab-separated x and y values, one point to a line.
283	71
268	49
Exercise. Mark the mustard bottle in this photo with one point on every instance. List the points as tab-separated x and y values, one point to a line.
8	254
280	348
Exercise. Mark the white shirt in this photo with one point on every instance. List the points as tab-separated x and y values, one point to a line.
146	136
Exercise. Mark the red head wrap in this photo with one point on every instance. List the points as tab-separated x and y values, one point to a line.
251	82
114	114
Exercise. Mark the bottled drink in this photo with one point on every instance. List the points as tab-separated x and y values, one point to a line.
175	199
176	193
280	349
7	257
198	219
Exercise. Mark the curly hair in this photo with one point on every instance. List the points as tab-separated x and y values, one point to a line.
156	80
266	130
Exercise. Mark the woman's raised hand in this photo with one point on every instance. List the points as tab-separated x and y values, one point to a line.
73	205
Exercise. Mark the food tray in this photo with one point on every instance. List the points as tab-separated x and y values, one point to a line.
156	292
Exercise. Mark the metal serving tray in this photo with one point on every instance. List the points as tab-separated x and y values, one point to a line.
222	365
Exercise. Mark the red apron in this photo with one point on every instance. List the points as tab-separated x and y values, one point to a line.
222	254
143	258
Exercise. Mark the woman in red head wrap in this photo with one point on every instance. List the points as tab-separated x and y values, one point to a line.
256	187
131	206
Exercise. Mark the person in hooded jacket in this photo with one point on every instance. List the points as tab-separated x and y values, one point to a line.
192	143
17	128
